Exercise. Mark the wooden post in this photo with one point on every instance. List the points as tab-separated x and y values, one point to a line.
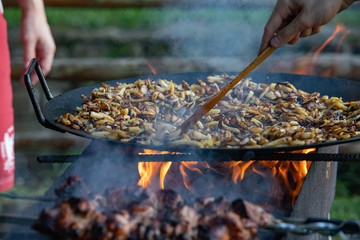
317	193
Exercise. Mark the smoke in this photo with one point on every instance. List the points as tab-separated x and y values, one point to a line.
214	29
102	165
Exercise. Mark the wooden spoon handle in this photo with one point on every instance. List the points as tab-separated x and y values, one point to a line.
215	99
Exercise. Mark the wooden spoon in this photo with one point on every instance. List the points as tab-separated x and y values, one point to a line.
215	99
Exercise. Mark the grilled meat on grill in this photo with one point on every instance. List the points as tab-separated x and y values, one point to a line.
136	213
72	187
250	115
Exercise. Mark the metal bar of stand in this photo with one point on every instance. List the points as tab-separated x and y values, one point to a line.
260	157
23	236
24	197
12	219
57	158
320	157
214	157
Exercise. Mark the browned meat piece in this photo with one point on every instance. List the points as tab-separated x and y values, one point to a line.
122	197
238	207
73	186
218	205
233	224
168	199
258	215
127	213
117	226
71	219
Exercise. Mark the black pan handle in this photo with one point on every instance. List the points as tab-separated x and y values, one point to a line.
27	78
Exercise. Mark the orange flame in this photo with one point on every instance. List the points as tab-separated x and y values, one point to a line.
185	176
149	151
239	168
151	68
339	28
307	64
291	174
147	170
191	167
332	71
163	171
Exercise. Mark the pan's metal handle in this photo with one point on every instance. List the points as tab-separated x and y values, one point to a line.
326	227
27	78
348	227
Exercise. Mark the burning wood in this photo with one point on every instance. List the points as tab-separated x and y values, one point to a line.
251	115
137	213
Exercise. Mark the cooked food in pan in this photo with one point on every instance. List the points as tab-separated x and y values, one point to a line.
137	213
251	115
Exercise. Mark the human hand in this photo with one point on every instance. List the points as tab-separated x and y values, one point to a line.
36	36
292	19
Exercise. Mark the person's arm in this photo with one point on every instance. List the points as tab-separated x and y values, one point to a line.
36	35
292	19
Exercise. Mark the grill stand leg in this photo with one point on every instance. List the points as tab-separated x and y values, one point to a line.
317	193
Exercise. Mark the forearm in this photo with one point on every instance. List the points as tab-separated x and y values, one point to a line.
31	5
36	34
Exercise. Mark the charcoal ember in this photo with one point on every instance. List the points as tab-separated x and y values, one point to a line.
167	198
46	222
147	229
73	186
236	229
238	206
187	214
114	197
82	206
219	205
254	213
98	228
258	214
187	218
217	232
167	228
117	226
200	203
100	200
227	226
71	219
141	210
122	197
128	213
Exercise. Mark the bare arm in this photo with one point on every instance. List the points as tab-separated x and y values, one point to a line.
292	19
36	34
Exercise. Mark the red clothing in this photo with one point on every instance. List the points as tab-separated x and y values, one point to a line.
7	157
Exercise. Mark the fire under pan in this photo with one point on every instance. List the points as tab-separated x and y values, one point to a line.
314	200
